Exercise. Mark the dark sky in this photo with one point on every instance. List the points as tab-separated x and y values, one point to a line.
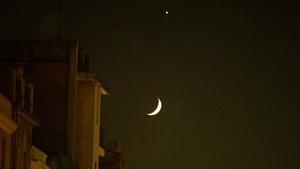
227	73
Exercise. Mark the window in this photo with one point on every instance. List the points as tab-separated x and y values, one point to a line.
3	152
28	97
18	86
98	105
95	165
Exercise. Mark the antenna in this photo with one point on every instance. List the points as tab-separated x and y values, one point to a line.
60	7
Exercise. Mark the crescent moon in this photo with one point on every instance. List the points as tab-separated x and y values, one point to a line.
156	111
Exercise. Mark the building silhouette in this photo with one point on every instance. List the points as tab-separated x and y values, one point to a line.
113	156
7	128
17	122
56	76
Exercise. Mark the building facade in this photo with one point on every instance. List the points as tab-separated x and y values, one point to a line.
17	108
55	75
52	67
89	92
7	129
113	156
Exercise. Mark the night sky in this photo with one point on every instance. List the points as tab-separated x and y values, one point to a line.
227	73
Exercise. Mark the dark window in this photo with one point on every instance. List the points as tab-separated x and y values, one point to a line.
3	152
